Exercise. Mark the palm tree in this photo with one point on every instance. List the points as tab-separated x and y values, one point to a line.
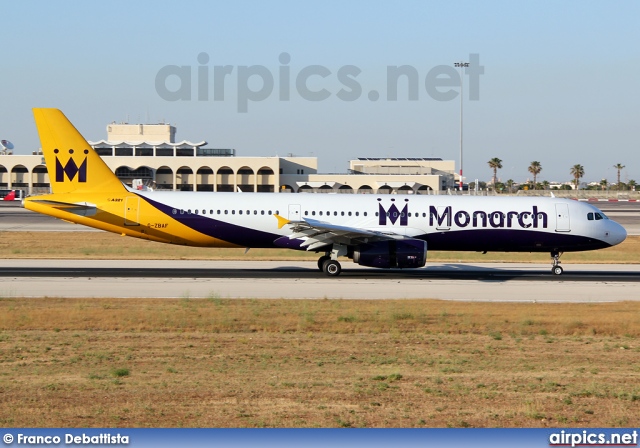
577	171
509	185
604	183
535	169
619	167
632	184
495	164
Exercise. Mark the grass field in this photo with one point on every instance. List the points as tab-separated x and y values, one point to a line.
310	363
323	363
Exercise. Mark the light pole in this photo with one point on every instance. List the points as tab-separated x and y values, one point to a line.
461	65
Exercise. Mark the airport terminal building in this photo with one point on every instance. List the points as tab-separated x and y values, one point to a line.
150	153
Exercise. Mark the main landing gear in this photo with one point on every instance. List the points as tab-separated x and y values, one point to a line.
556	269
329	263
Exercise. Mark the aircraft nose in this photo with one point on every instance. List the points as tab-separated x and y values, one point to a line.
617	233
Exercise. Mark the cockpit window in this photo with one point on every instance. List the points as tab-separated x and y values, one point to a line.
597	216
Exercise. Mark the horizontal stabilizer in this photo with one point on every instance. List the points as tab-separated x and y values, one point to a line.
77	208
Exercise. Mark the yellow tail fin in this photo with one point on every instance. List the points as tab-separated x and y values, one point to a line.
72	164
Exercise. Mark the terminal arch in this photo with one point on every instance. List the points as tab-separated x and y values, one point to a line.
184	178
365	189
224	179
266	180
164	178
39	179
19	176
246	179
204	179
4	177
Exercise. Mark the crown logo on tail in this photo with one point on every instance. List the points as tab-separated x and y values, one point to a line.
71	169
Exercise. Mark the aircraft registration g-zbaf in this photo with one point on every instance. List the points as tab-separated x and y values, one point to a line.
376	230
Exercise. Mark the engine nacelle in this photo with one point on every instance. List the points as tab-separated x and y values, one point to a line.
392	254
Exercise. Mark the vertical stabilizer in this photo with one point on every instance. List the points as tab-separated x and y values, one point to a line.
73	166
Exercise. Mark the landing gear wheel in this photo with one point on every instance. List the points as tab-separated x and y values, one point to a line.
321	262
332	268
555	262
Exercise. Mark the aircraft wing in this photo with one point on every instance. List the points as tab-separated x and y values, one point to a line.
317	233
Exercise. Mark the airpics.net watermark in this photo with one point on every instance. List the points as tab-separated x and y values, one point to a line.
255	83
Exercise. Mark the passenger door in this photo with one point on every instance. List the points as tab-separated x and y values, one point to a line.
562	218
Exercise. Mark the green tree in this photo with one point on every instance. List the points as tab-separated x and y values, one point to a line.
577	171
509	185
495	164
604	183
535	168
619	167
632	184
545	184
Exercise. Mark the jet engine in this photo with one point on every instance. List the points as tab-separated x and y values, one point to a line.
392	254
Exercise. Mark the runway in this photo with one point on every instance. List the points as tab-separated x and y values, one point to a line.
272	280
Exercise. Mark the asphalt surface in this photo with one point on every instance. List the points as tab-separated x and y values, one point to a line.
273	280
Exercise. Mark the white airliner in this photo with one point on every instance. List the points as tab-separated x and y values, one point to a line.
383	231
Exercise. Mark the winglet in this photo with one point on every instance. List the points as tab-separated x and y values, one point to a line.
281	221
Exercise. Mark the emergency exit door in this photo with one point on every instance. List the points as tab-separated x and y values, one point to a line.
132	211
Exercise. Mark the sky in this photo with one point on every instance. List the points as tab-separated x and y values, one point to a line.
554	82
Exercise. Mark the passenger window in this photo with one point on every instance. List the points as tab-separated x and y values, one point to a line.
195	211
341	213
357	213
211	212
233	212
335	213
226	212
313	213
306	213
365	213
269	211
262	212
239	212
255	212
189	211
349	213
320	213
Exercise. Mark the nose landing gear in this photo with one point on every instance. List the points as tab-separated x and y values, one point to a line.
556	269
